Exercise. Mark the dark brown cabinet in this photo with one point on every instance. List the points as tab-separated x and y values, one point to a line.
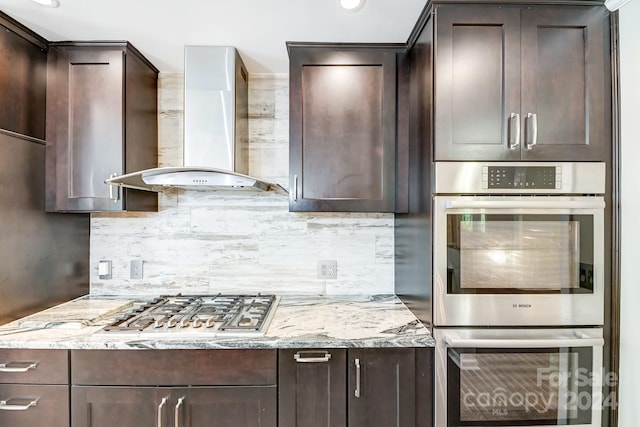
522	82
173	406
23	77
101	121
34	388
174	388
342	145
355	387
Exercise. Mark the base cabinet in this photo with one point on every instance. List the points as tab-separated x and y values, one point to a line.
173	388
34	388
355	388
95	406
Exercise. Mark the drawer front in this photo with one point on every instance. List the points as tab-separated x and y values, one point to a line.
34	366
34	405
173	367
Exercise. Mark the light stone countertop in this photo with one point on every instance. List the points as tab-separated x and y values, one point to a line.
299	322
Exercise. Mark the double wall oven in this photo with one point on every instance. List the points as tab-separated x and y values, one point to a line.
518	293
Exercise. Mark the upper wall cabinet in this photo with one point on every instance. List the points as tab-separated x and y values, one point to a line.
101	121
23	78
342	147
529	82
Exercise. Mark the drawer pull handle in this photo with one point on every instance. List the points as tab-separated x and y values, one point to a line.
160	410
300	358
515	117
177	411
533	120
13	367
357	392
5	405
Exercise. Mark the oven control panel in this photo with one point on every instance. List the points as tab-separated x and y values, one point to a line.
522	177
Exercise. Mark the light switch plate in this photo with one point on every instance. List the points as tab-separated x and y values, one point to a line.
104	269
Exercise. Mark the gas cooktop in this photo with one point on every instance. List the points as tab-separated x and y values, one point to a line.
198	316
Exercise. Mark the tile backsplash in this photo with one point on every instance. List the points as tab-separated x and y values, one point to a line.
207	242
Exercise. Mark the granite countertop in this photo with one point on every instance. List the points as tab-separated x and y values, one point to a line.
299	322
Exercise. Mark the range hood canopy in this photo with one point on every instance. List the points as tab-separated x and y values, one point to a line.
215	128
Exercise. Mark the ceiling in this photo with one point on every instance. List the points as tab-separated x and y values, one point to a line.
258	28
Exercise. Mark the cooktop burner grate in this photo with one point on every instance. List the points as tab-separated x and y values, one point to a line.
198	315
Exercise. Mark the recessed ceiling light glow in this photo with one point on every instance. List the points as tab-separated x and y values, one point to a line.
351	5
47	3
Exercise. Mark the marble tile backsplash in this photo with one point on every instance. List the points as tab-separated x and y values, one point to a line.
207	242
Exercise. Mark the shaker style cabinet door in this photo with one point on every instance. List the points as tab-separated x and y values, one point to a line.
566	83
227	406
522	83
477	82
382	387
312	388
342	128
23	79
101	121
93	406
89	127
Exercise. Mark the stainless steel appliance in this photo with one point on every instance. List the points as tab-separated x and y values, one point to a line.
215	128
518	244
523	377
197	316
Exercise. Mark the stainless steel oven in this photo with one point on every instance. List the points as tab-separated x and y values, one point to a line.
518	244
518	377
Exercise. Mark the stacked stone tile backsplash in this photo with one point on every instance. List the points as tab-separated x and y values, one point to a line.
206	242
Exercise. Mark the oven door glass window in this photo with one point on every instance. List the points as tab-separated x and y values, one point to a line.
503	387
519	253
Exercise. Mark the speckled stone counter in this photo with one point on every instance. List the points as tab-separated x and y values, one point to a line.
299	322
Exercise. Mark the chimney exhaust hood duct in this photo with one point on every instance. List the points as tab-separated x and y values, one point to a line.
215	128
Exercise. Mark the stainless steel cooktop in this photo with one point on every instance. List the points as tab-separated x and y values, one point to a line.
198	316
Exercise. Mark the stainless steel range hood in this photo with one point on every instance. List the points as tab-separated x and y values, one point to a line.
215	128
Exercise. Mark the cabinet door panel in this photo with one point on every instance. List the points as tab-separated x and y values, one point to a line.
95	121
342	150
23	77
387	388
477	82
342	170
564	81
312	394
120	406
230	406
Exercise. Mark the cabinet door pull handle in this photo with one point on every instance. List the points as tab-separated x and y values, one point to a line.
114	195
5	405
177	411
300	358
516	117
161	406
533	120
295	188
357	392
21	366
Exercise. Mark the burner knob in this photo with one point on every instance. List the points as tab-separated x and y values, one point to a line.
172	323
158	323
210	322
197	323
184	323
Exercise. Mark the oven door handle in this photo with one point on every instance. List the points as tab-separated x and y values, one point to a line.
522	343
594	203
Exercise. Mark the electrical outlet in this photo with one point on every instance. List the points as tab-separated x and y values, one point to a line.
327	269
136	269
